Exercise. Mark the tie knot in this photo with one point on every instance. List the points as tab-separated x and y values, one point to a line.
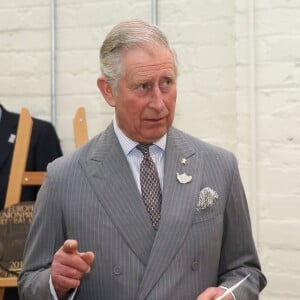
144	148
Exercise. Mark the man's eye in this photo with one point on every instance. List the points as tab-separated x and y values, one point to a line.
166	82
144	86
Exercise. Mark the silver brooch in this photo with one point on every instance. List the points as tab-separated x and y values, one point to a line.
184	178
207	198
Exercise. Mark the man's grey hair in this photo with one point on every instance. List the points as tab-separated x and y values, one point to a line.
124	36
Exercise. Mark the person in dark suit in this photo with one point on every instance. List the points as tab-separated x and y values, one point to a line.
143	211
44	148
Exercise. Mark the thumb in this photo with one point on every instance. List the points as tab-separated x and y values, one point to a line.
88	257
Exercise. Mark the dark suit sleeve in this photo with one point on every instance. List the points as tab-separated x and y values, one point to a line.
44	146
238	255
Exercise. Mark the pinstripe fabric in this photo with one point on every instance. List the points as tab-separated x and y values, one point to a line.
91	195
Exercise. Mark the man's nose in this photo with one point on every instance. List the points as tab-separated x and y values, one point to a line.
157	98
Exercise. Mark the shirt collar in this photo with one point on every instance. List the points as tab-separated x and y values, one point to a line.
128	144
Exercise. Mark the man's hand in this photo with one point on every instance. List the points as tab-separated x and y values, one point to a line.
212	293
68	267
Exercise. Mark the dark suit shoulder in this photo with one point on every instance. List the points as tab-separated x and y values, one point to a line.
42	124
44	144
43	128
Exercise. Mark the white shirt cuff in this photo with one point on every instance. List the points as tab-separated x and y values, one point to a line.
53	293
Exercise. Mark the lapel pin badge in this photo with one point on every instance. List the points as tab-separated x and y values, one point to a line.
184	178
12	138
183	161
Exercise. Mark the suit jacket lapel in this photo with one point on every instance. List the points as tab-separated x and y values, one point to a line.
178	208
108	170
8	126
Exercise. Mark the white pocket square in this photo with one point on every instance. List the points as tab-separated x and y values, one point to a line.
207	198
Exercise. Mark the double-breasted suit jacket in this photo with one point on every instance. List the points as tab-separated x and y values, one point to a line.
90	195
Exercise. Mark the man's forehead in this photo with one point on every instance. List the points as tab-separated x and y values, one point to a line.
141	62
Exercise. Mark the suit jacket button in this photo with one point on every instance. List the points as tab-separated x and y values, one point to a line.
195	265
117	270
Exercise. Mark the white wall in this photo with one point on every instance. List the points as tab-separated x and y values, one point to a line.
276	205
214	101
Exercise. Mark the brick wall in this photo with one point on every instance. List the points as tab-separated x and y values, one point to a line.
212	42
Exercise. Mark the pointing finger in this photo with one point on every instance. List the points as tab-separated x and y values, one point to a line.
70	246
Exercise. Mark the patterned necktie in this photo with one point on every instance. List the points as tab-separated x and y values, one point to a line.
150	186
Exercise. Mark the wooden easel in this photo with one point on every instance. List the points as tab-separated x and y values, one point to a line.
19	177
80	127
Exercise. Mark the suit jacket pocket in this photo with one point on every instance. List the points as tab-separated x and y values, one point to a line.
209	213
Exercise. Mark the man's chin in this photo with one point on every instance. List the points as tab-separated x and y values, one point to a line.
151	138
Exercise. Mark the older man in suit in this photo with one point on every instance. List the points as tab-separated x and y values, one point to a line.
143	210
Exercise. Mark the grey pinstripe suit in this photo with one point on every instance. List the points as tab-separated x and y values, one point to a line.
91	196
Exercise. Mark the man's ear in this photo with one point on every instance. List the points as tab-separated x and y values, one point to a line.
106	91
